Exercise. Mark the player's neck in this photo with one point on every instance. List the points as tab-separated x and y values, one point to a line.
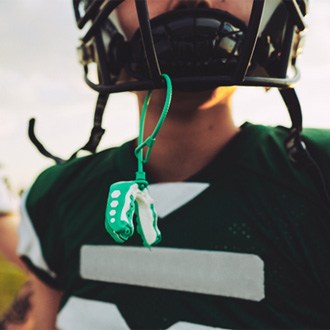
188	140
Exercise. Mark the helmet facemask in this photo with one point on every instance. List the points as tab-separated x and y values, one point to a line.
199	48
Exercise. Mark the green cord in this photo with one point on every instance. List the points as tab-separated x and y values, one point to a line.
150	140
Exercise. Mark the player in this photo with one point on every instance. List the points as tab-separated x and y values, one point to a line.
243	212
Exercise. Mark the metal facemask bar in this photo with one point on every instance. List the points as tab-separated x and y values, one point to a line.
152	60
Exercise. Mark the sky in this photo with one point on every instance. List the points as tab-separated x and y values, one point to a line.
41	78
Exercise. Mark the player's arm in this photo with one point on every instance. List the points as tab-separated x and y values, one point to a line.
45	305
8	237
38	239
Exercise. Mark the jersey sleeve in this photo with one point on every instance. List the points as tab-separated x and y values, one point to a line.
40	227
50	209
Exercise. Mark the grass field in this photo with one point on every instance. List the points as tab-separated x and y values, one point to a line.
11	279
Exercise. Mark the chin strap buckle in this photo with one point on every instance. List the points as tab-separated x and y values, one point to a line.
297	150
86	53
303	160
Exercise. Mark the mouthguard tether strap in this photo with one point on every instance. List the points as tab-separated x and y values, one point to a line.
129	198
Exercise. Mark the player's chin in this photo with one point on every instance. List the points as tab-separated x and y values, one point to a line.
206	99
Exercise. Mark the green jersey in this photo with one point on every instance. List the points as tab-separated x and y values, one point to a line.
245	241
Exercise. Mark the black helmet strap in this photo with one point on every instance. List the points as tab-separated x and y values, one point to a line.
93	141
296	148
39	145
97	130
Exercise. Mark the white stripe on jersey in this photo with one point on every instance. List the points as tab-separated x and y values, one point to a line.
29	244
191	326
169	197
86	314
227	274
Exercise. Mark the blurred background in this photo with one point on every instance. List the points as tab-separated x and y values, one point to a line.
41	78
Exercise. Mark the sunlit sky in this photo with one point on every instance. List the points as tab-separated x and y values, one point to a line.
41	77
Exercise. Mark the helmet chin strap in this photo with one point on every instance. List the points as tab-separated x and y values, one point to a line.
295	146
93	141
39	145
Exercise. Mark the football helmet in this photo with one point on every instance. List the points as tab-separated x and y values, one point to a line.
200	48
